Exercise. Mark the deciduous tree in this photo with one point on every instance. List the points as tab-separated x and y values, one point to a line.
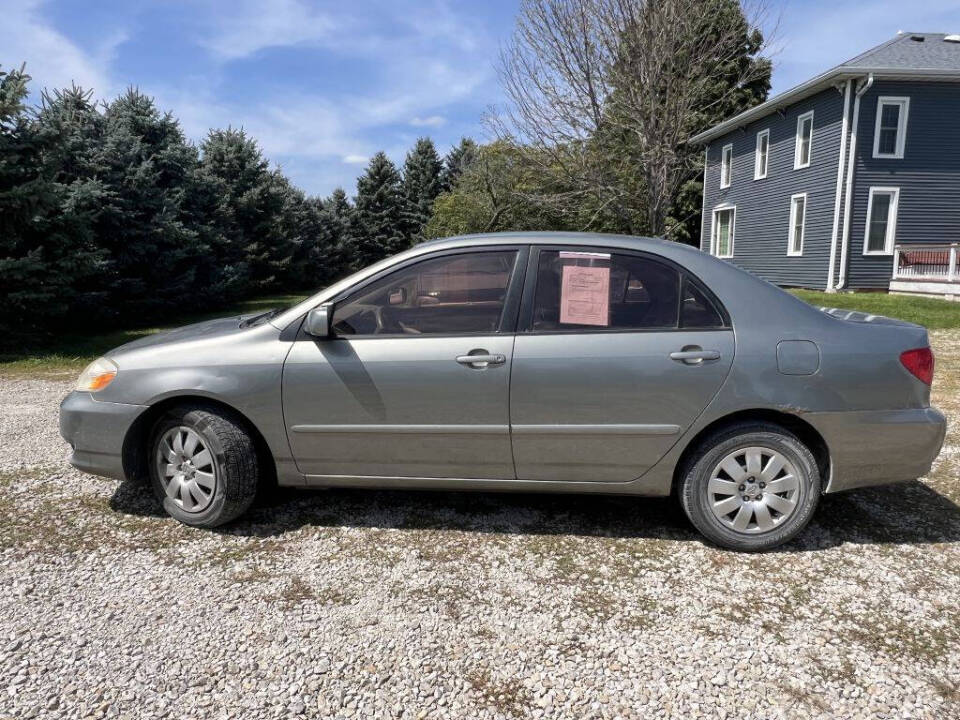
603	94
492	194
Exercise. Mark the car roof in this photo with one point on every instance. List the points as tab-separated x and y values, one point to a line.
677	251
548	238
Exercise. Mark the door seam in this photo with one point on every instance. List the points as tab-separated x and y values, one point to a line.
513	459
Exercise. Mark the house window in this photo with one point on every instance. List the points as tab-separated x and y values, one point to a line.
724	221
890	132
763	150
798	221
726	166
801	156
881	230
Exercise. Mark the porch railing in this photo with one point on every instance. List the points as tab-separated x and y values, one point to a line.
926	262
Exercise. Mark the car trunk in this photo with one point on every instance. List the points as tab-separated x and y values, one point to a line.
862	317
900	342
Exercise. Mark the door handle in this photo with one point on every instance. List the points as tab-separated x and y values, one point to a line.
481	359
694	355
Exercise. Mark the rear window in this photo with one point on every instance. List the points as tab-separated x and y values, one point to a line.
697	309
590	290
610	291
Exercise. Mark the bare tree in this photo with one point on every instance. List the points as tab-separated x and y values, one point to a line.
604	93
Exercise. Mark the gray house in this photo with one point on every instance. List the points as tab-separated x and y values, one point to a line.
848	181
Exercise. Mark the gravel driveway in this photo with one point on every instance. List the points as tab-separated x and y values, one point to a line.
436	605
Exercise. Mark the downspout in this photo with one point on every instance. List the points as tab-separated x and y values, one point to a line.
851	165
839	194
703	204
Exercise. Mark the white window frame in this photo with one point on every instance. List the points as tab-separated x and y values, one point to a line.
904	103
757	175
791	233
714	244
726	166
796	150
890	240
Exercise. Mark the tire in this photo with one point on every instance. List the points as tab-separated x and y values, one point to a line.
722	475
182	480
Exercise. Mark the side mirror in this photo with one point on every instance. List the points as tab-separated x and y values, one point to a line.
318	321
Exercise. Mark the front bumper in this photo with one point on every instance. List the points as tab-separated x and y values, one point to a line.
95	431
879	447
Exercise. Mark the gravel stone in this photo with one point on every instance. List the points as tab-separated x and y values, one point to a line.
389	604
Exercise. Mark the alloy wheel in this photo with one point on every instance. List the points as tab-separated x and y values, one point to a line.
186	469
753	490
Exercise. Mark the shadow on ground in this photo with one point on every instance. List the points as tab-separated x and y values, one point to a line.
904	513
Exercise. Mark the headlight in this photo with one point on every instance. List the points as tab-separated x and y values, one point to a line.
97	376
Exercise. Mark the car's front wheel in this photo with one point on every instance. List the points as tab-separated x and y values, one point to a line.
203	465
750	487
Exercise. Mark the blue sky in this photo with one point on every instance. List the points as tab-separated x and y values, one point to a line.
323	85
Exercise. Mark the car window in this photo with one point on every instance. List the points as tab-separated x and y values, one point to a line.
604	291
454	294
697	309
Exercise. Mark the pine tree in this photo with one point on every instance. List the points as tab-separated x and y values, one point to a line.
144	162
249	240
340	210
316	236
421	185
50	262
339	214
727	95
23	191
455	162
377	230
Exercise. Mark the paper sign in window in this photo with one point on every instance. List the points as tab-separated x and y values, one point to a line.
585	296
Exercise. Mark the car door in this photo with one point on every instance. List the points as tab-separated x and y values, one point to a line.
617	353
415	380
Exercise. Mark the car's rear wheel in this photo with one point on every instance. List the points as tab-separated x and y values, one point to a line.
750	486
203	465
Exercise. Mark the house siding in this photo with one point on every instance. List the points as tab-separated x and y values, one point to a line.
928	175
763	206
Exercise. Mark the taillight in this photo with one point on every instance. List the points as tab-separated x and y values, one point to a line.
919	362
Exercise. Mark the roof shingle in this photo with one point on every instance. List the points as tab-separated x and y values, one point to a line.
911	51
912	55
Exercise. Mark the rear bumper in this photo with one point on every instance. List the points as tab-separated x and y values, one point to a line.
96	431
879	447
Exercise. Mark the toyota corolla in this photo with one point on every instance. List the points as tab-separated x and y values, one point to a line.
534	362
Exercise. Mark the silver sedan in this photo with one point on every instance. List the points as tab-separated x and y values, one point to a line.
545	362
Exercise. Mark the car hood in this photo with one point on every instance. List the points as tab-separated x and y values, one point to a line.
198	331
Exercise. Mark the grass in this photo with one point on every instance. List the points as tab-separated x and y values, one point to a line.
71	351
931	313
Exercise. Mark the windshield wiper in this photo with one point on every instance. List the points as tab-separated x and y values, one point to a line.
260	319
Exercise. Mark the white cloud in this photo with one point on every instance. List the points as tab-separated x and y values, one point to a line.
247	26
412	64
431	121
410	61
53	61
